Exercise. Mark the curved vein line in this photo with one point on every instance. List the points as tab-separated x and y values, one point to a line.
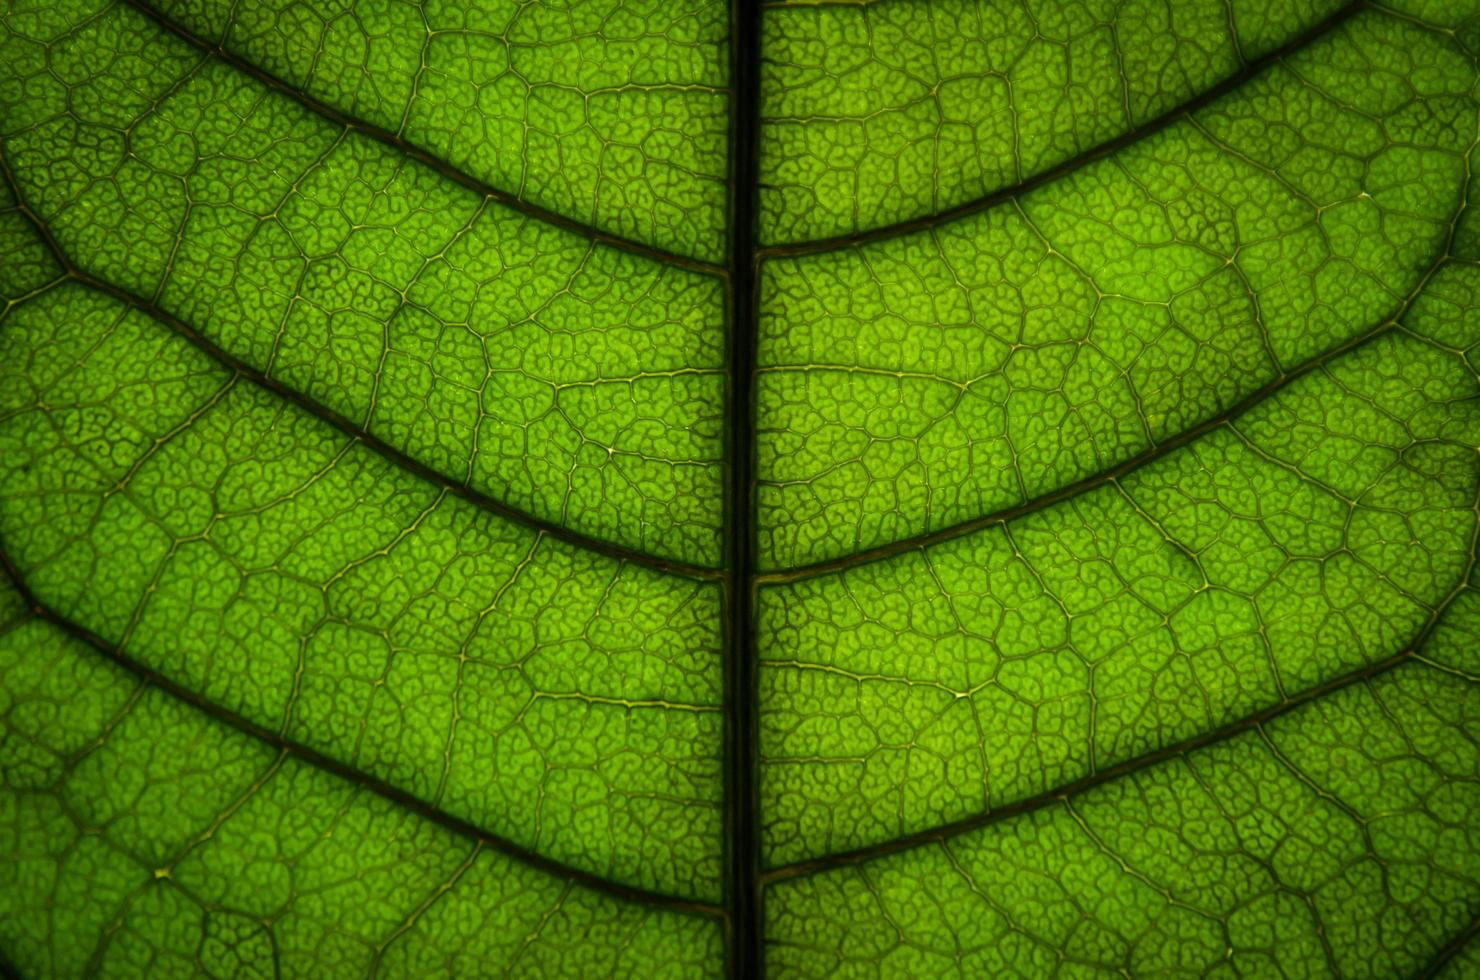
319	760
349	428
1128	767
388	452
1071	490
1146	456
1062	169
402	145
1038	801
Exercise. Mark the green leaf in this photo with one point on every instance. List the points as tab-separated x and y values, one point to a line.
859	488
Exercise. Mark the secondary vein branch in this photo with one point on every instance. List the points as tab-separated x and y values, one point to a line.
359	433
1097	152
319	760
1143	458
1409	654
417	153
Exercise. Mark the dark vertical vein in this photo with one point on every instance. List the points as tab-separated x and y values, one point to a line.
741	851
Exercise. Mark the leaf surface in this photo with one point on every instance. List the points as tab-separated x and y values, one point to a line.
879	488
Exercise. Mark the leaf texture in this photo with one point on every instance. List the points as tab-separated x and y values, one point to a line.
879	488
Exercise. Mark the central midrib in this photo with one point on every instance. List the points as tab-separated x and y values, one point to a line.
742	894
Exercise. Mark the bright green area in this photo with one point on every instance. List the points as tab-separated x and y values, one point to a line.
126	857
611	113
922	381
1202	702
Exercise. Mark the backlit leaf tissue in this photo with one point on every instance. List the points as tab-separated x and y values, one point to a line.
802	488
